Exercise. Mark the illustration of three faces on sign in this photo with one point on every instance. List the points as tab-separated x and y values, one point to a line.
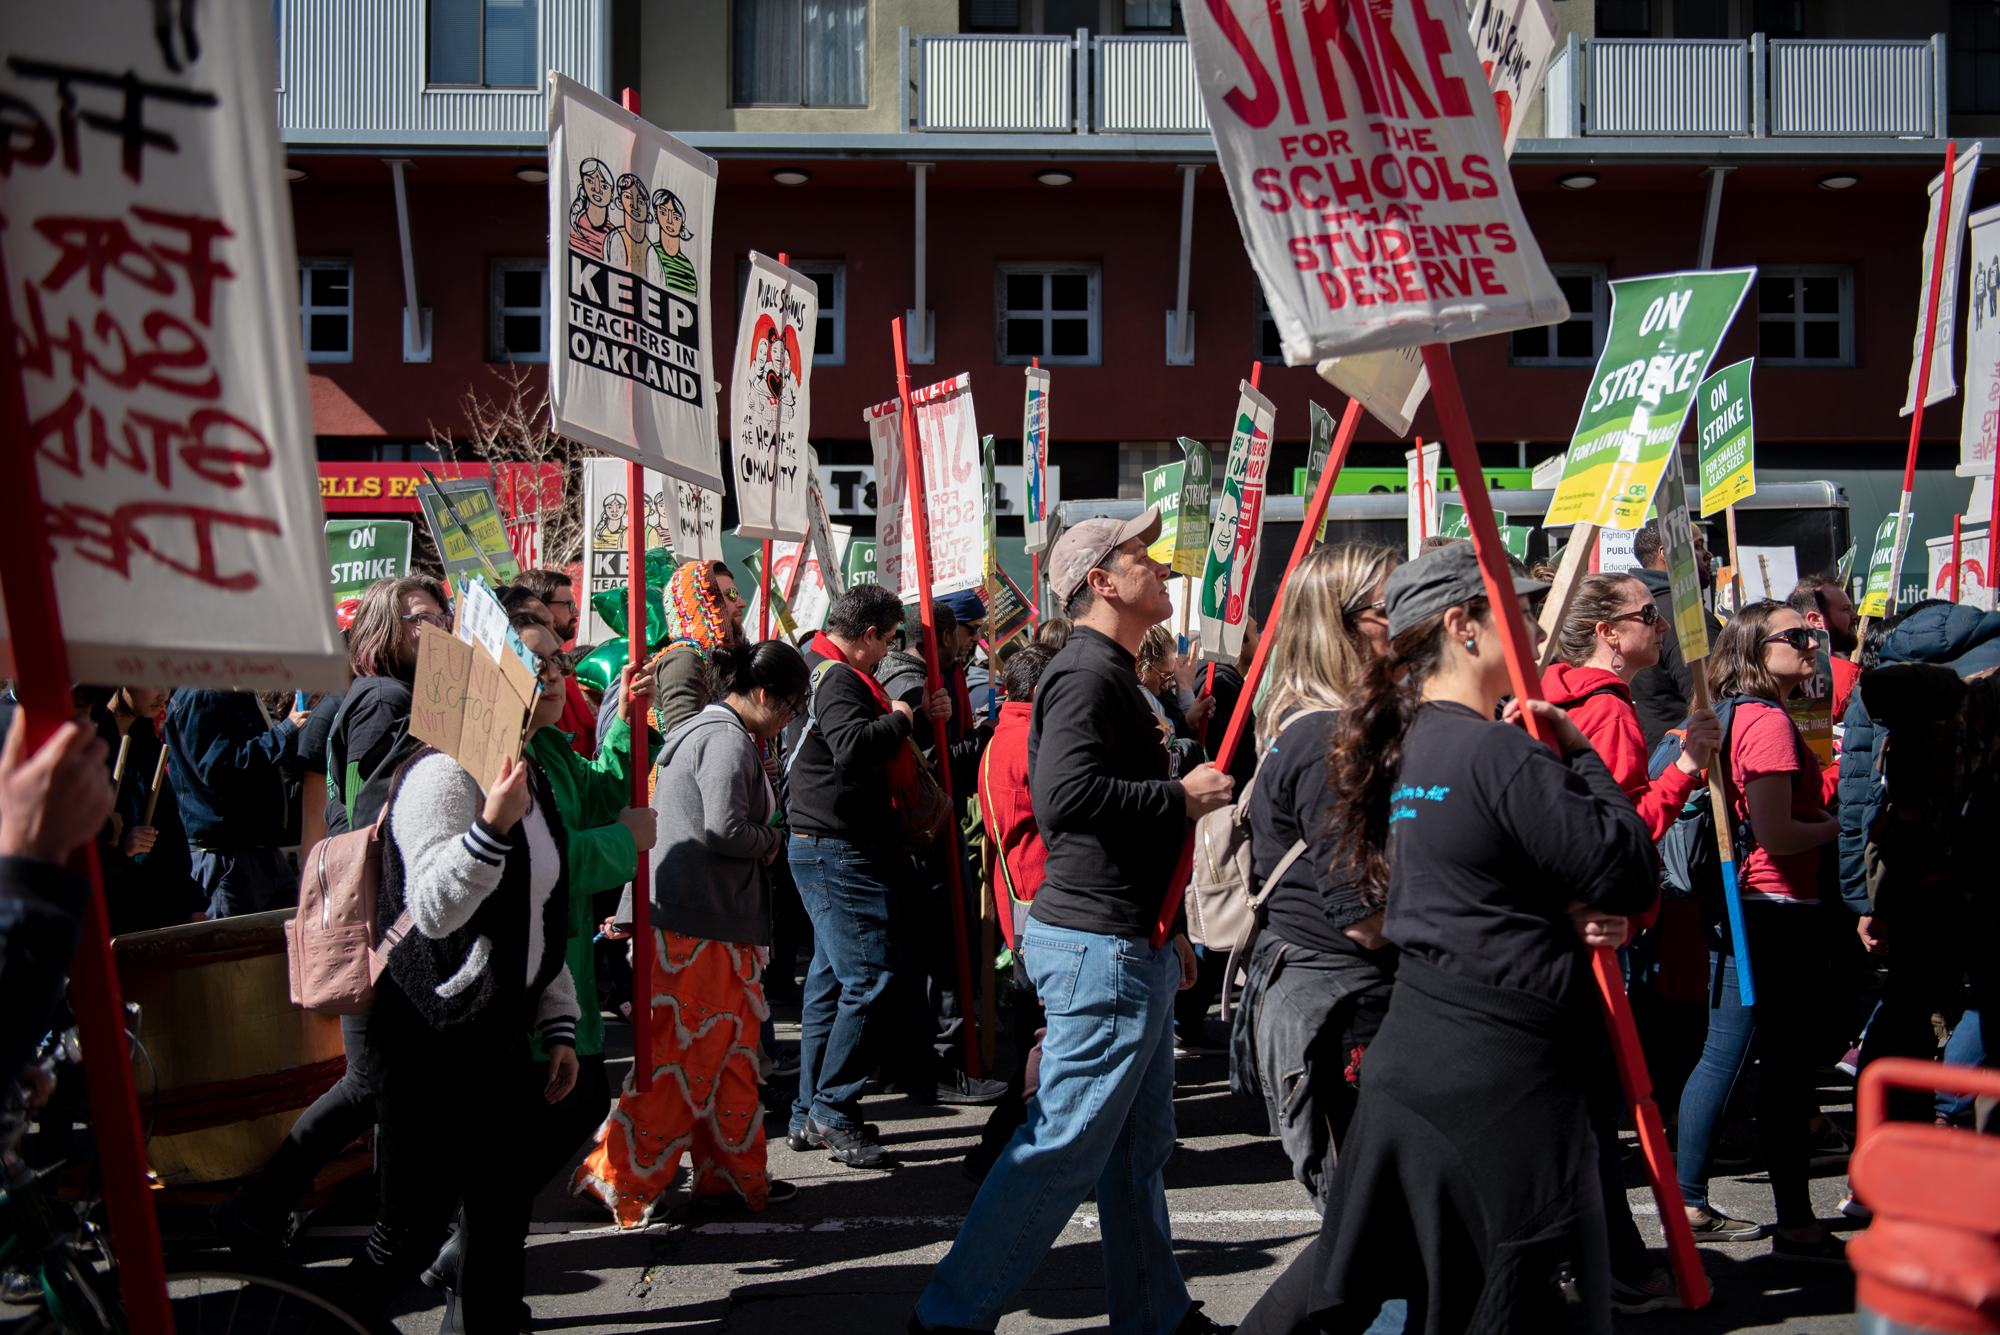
617	220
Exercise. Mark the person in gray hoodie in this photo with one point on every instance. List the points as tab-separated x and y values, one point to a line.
719	829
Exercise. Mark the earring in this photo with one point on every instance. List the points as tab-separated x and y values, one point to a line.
1471	644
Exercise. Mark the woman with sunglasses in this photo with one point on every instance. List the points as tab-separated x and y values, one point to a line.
719	829
1773	786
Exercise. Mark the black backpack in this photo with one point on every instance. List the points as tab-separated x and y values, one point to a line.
1690	867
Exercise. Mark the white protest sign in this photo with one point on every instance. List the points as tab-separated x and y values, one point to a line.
1035	460
696	513
1971	570
606	533
954	499
1979	427
1614	550
1513	41
895	557
630	367
1944	343
1421	490
1768	572
770	401
1371	190
155	297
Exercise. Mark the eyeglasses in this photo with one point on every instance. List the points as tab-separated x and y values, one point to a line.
442	620
1649	615
563	661
1378	605
1798	637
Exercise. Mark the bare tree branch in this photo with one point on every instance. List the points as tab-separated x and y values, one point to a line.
513	426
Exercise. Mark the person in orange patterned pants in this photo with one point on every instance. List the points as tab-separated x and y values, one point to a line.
719	829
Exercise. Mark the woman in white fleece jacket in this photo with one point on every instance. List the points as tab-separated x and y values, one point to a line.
482	882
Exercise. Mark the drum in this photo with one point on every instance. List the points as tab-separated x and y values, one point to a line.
225	1062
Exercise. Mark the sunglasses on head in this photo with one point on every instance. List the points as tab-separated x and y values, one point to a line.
1798	637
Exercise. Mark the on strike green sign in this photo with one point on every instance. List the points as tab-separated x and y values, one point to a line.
1316	456
1663	331
1690	621
1726	439
858	565
1162	487
1191	529
1881	563
361	551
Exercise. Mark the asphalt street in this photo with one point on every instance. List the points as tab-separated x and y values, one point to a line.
850	1254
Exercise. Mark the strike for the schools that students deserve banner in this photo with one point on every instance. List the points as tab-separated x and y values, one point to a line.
630	367
1035	458
1979	427
1371	191
953	511
1944	341
1238	529
770	400
1514	41
155	300
1664	331
1725	438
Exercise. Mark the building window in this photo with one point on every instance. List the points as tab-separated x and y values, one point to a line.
993	16
830	338
1778	18
1577	340
1161	16
517	325
1270	348
482	44
1975	57
1047	311
326	309
791	53
1624	18
1805	314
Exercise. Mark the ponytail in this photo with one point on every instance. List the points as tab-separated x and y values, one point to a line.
1367	753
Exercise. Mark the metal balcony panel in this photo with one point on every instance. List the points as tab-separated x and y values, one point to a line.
1642	86
357	67
1004	84
1878	88
1147	85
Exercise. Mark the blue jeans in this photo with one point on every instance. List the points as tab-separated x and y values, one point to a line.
847	1019
1966	1048
245	880
1779	1031
1103	1117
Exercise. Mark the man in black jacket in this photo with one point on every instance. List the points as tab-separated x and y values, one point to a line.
231	769
1663	695
847	856
1114	825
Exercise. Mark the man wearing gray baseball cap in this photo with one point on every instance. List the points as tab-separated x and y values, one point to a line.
1114	825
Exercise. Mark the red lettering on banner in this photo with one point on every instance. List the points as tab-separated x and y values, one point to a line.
1266	180
1261	108
1330	287
1327	31
109	539
1491	286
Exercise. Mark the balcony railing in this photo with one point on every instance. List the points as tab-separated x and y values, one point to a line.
1725	89
980	83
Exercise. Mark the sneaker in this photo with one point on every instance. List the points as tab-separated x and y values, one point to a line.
441	1274
239	1234
856	1149
970	1091
1829	1250
777	1191
1854	1209
1829	1146
802	1139
1711	1227
1195	1323
1850	1065
1197	1045
1650	1294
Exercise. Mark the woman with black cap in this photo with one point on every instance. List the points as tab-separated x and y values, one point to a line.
1467	1181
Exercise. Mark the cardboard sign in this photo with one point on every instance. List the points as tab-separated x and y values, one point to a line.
1881	561
771	400
1035	459
630	365
1238	530
1368	173
1726	438
1690	620
469	704
1979	428
1969	586
361	551
820	529
953	511
1664	330
606	532
1191	526
1944	342
1420	490
1162	487
465	521
154	293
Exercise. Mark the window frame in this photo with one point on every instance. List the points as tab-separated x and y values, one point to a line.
307	265
867	68
536	64
830	276
1005	269
1798	319
1260	315
1600	317
497	312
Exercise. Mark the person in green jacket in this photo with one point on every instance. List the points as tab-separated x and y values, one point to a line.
606	835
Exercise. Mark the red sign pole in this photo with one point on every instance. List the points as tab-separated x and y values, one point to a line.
913	469
635	646
1957	551
1498	577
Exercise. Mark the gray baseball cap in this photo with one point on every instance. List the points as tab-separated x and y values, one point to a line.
1085	545
1437	580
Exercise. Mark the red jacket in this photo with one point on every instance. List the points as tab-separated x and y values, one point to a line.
1007	812
1601	707
579	718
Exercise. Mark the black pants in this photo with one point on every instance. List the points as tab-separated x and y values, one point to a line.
1932	937
1630	1261
791	931
335	1120
551	1134
1012	1110
451	1109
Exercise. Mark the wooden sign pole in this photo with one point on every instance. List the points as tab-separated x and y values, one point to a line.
1575	565
635	650
1725	847
913	470
1624	1035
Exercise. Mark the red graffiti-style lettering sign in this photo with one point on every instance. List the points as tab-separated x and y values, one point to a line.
109	539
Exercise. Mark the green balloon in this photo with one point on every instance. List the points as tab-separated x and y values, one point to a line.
610	604
599	668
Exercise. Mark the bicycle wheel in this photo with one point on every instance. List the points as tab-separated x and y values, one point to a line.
219	1293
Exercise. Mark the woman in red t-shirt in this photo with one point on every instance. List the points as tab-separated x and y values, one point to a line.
1772	781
